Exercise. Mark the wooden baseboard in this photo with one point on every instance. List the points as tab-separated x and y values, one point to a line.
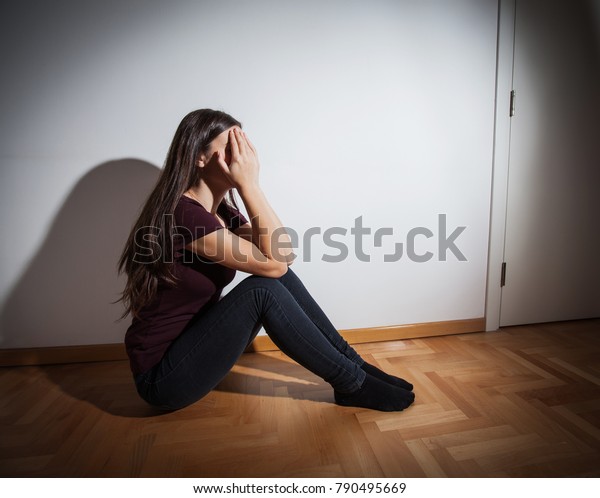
62	354
391	333
113	352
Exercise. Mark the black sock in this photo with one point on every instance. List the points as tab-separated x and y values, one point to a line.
377	395
390	379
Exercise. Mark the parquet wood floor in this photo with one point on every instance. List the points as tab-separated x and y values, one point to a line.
524	401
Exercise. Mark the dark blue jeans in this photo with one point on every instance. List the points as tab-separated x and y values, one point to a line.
209	347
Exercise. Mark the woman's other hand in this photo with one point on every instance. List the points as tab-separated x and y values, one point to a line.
244	167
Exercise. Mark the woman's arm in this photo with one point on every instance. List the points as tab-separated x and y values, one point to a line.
285	248
227	249
266	231
267	249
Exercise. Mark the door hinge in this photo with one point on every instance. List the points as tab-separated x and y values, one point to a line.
503	275
513	97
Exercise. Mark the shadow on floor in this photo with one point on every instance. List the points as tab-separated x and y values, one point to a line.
109	386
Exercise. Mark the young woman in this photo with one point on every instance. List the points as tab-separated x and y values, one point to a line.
185	248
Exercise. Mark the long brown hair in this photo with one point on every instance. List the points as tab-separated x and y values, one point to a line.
148	254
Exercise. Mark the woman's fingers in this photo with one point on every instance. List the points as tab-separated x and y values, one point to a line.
235	149
222	163
243	168
242	150
249	143
239	135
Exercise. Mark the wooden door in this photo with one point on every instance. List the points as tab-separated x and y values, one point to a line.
552	240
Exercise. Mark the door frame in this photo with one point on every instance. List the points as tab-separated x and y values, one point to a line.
500	162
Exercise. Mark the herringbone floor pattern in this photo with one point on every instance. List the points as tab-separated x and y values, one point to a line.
524	401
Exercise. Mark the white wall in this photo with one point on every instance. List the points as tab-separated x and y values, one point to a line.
379	109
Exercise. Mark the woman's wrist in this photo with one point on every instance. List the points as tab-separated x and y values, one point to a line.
248	190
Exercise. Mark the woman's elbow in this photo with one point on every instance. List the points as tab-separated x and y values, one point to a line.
280	266
290	258
280	270
276	269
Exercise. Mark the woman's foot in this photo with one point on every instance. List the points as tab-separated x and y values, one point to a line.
376	395
390	379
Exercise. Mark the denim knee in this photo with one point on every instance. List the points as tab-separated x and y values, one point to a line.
260	282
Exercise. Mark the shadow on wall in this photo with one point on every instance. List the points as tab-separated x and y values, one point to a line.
64	297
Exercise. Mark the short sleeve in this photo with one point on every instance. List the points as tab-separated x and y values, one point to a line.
193	221
234	218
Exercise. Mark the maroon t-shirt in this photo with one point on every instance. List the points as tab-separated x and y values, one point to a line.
199	284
